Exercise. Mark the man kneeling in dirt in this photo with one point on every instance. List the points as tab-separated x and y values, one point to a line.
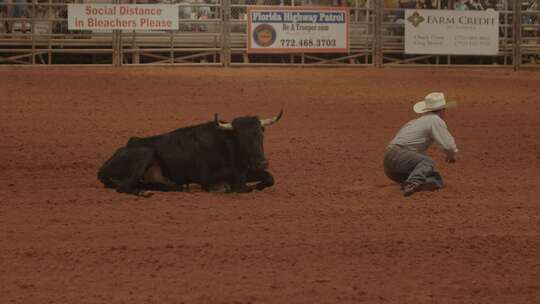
405	161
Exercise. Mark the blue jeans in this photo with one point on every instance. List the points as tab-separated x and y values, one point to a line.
402	165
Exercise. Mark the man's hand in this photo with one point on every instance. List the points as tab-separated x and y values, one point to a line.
451	156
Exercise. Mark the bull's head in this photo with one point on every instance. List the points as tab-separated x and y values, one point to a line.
249	136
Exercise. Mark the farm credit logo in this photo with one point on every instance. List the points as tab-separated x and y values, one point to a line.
415	19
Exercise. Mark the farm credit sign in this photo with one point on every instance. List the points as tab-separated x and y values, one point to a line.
451	32
293	30
122	17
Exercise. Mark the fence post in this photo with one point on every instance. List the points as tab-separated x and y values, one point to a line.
516	41
115	47
117	43
33	29
226	32
377	32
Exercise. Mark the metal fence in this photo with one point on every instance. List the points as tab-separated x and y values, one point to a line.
213	32
199	39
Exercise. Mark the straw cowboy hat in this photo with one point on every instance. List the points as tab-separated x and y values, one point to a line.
433	102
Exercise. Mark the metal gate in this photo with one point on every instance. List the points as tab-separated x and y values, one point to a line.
36	33
198	41
527	31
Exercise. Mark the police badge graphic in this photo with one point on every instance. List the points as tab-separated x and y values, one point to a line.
264	35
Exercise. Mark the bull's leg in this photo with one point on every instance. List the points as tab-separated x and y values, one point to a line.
207	181
141	160
235	178
238	183
124	170
211	181
264	179
164	187
155	180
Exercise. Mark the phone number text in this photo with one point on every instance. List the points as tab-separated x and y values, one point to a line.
308	43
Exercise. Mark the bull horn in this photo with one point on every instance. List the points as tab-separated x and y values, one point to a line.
269	121
222	126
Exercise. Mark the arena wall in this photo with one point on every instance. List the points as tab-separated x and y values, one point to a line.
213	32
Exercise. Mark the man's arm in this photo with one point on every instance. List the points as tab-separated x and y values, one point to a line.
440	133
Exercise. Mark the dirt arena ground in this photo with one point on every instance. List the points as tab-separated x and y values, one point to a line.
333	229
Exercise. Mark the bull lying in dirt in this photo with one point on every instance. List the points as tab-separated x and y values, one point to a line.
206	154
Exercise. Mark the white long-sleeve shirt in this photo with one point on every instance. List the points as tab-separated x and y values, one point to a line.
418	134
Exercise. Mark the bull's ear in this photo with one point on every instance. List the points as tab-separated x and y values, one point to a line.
269	121
222	126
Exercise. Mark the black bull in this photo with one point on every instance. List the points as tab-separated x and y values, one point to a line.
206	154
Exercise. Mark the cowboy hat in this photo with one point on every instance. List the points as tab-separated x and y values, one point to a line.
433	102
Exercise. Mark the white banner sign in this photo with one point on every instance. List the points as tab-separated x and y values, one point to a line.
451	32
122	17
294	30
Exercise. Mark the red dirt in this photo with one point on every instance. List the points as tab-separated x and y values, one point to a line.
333	229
